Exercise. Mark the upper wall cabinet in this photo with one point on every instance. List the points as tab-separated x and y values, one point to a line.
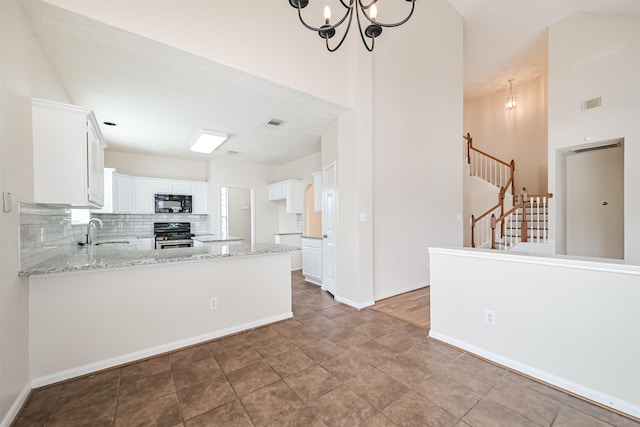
291	191
136	194
68	155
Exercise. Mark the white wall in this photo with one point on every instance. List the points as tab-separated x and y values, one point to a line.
86	321
592	56
417	127
572	323
156	166
519	134
25	73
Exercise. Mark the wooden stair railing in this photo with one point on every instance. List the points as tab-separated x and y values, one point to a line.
496	172
533	225
489	168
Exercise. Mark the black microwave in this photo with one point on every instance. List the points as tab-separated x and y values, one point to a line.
173	203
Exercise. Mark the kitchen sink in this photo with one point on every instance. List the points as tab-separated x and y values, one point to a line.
113	242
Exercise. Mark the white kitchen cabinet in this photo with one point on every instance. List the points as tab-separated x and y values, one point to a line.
200	197
109	192
144	200
291	191
68	157
172	187
317	191
312	260
124	194
278	191
162	187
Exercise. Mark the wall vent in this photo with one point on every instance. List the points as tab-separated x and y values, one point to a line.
232	152
599	147
592	103
275	122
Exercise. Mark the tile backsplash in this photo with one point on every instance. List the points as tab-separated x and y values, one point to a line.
43	226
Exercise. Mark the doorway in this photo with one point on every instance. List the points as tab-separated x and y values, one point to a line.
595	200
237	218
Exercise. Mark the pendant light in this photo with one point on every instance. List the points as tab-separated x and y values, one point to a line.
511	101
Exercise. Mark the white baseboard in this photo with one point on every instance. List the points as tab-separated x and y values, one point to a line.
150	352
17	405
354	304
562	383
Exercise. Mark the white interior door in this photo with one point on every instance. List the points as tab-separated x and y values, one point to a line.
329	215
595	203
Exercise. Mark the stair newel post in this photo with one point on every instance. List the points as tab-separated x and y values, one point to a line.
512	166
501	201
523	232
473	226
468	138
493	231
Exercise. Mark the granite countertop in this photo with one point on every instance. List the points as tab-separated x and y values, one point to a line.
127	255
206	238
312	237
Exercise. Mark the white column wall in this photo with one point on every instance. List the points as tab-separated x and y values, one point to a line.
571	323
592	56
417	127
25	72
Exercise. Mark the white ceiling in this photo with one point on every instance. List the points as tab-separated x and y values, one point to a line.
160	96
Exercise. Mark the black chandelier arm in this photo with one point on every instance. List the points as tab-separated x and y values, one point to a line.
364	41
326	27
397	24
344	36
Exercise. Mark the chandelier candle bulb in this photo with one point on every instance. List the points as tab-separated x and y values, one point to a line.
373	13
327	15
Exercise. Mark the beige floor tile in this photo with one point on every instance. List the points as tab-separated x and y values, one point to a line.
271	403
414	410
290	362
378	389
488	413
526	402
252	377
230	414
342	407
203	397
449	395
312	382
164	411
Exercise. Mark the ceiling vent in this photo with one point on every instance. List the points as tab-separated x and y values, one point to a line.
598	147
274	122
592	103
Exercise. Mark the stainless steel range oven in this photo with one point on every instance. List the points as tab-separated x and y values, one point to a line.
173	235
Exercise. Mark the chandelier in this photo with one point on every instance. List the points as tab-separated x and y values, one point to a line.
365	13
511	101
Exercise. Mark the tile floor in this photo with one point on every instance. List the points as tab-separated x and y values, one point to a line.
328	366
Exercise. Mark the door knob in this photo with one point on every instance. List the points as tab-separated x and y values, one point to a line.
324	236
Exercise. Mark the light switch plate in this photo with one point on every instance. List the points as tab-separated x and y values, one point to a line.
6	201
363	217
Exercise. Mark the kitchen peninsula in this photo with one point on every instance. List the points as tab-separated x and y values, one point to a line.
103	306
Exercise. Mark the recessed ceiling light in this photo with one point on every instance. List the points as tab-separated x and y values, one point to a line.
274	122
208	141
109	123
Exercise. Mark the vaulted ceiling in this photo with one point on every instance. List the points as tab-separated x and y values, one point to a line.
158	95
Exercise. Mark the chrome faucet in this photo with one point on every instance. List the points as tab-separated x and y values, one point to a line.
92	224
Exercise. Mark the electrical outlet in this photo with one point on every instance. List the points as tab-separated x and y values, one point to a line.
489	317
213	303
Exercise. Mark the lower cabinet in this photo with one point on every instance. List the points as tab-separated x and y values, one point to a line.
312	260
